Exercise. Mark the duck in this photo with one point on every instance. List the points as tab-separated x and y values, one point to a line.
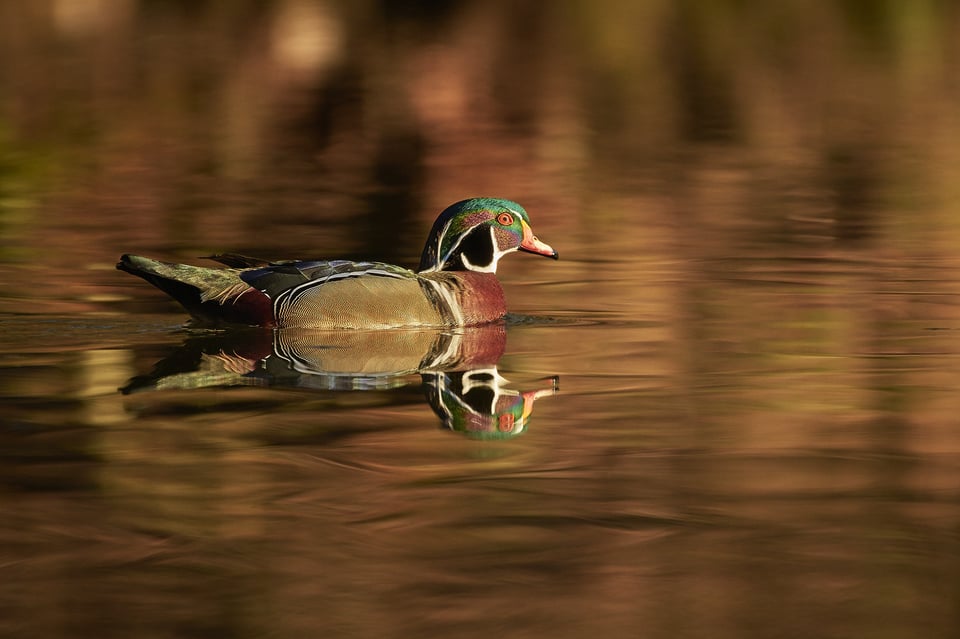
455	284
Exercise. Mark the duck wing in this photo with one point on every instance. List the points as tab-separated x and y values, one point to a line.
294	278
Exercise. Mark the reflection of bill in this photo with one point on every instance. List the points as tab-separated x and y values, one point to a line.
458	369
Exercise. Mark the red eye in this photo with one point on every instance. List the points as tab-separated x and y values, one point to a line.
505	218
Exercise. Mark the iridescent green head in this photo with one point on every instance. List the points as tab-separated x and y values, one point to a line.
472	235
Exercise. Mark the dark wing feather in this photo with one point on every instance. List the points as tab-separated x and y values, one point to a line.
278	278
235	260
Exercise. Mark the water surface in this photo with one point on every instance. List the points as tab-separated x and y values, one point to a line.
729	410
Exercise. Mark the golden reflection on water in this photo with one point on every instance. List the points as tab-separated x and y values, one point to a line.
736	461
753	322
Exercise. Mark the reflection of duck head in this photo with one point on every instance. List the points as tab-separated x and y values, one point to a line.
478	403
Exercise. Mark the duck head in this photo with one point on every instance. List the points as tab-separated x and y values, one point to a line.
472	235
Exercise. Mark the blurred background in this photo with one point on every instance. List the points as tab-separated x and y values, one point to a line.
312	126
757	208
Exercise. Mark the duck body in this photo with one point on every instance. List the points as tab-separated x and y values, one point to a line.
456	284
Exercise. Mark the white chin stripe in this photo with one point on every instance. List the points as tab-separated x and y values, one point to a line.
490	268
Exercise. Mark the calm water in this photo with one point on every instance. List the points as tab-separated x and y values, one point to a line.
729	410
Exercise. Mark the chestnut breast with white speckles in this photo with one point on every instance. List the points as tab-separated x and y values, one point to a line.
471	298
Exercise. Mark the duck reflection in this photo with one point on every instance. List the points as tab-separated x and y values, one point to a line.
457	370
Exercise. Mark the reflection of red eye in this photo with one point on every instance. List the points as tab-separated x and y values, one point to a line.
505	218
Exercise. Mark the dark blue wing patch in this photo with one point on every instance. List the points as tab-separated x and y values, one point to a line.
275	280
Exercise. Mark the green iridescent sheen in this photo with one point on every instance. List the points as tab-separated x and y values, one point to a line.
457	220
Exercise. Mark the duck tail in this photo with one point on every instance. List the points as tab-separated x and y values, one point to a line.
212	295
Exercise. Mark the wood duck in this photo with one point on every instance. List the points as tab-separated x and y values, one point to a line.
455	285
